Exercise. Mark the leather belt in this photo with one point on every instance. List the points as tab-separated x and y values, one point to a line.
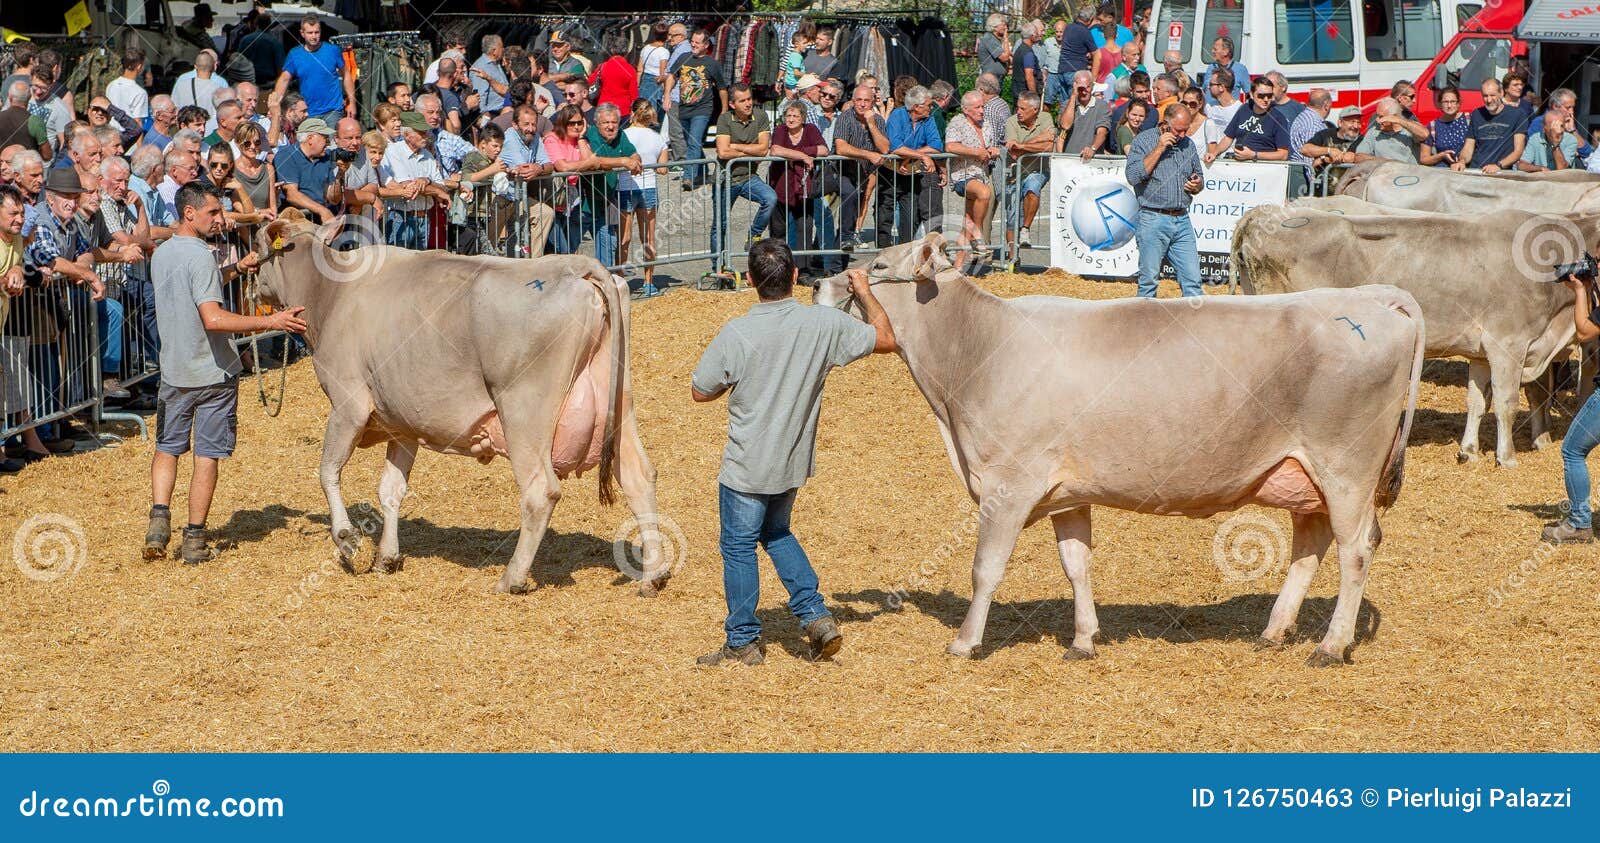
1180	212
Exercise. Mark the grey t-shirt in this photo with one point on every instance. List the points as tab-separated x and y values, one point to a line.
1084	123
186	276
776	358
989	50
1396	146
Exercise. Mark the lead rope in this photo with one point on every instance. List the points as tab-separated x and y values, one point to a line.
272	408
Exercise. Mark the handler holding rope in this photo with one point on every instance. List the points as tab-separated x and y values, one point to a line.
199	395
775	360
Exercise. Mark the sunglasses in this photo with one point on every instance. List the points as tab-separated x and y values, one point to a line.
1264	96
220	165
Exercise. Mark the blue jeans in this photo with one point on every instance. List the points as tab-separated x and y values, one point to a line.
694	134
1161	235
406	229
142	298
748	519
1582	436
605	242
753	189
1055	90
566	233
1031	183
108	316
650	89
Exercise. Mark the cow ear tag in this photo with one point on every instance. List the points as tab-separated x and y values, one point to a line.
277	245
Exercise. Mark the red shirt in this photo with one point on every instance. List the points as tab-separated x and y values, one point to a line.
619	83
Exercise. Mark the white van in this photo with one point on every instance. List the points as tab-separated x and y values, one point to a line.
1316	43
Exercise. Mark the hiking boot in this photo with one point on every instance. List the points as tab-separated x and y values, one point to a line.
750	654
825	638
195	548
1565	533
110	389
157	535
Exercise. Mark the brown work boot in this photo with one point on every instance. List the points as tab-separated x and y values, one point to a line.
825	638
750	654
1565	533
158	534
195	548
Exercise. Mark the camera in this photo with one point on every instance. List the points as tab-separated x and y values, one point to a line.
1583	268
343	156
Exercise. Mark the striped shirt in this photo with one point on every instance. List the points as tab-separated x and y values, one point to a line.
1304	127
1162	188
451	148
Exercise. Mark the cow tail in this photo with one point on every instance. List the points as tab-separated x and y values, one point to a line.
617	326
1394	469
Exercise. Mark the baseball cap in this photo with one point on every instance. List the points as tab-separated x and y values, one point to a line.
558	37
314	124
807	82
415	122
1349	111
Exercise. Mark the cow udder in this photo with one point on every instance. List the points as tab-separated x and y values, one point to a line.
1288	486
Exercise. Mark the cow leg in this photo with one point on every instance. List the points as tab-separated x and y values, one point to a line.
338	443
1477	384
391	491
536	476
1358	539
637	477
1541	392
1312	533
1073	540
1504	377
997	538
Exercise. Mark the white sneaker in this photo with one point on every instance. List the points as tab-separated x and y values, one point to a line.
1023	242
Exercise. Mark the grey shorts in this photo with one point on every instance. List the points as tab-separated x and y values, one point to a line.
210	413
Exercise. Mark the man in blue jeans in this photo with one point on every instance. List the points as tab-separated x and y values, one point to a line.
1584	433
775	360
742	132
1164	169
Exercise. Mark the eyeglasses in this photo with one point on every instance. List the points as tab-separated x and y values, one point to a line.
250	144
830	95
1405	96
1266	96
220	165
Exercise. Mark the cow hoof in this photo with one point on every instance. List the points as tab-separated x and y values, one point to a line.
504	587
1510	462
652	588
1319	658
959	650
1544	441
1265	643
1074	654
388	565
1464	457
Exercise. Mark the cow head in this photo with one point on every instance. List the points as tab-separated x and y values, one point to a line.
923	262
278	244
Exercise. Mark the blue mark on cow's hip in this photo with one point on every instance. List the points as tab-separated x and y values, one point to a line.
1353	327
1405	181
537	285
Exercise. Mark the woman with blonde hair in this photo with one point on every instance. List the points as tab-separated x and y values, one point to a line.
636	195
386	119
253	190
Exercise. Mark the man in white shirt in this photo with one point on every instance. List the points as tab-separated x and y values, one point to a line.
197	86
125	92
410	180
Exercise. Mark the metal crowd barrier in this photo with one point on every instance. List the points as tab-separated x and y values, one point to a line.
49	356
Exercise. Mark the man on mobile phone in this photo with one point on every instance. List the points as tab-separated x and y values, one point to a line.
1164	169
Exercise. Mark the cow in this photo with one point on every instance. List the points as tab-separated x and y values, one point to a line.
1049	406
1472	274
1571	175
1401	185
475	356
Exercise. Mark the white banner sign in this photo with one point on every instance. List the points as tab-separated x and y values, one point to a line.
1093	211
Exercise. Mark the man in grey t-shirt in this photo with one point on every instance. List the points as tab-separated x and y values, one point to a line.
775	360
199	396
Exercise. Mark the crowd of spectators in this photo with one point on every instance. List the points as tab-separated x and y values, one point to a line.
549	150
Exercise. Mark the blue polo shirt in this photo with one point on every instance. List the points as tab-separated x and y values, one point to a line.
310	176
320	73
903	132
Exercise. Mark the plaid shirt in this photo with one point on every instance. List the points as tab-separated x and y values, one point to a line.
119	219
451	149
52	240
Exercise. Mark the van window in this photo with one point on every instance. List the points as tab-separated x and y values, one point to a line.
1466	12
1473	61
1402	30
1224	18
1314	31
1174	11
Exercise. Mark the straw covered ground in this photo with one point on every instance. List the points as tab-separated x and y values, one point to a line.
1474	639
